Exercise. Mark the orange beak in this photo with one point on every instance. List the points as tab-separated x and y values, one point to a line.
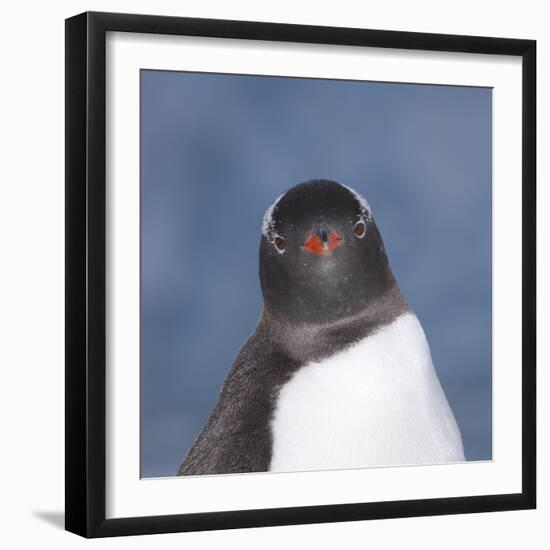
322	240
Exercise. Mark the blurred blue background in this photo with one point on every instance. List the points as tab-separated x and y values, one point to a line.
216	150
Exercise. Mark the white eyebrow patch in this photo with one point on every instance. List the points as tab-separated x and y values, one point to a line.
363	203
268	222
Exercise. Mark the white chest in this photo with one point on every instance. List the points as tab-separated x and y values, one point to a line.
377	403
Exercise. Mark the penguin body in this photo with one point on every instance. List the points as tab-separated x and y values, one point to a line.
357	408
338	373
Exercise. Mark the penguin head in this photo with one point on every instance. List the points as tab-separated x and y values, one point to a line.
321	255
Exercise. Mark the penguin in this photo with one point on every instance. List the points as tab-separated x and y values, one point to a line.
338	373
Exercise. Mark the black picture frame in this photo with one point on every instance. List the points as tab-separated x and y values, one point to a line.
86	273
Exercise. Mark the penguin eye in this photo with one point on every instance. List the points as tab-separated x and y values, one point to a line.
280	243
359	229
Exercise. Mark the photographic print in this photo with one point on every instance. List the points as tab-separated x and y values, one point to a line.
300	274
316	274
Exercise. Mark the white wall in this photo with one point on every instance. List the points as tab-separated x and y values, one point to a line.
32	276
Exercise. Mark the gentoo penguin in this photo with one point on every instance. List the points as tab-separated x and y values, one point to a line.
338	373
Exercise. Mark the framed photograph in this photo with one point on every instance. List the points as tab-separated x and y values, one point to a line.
300	274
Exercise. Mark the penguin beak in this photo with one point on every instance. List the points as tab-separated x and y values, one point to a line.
322	240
